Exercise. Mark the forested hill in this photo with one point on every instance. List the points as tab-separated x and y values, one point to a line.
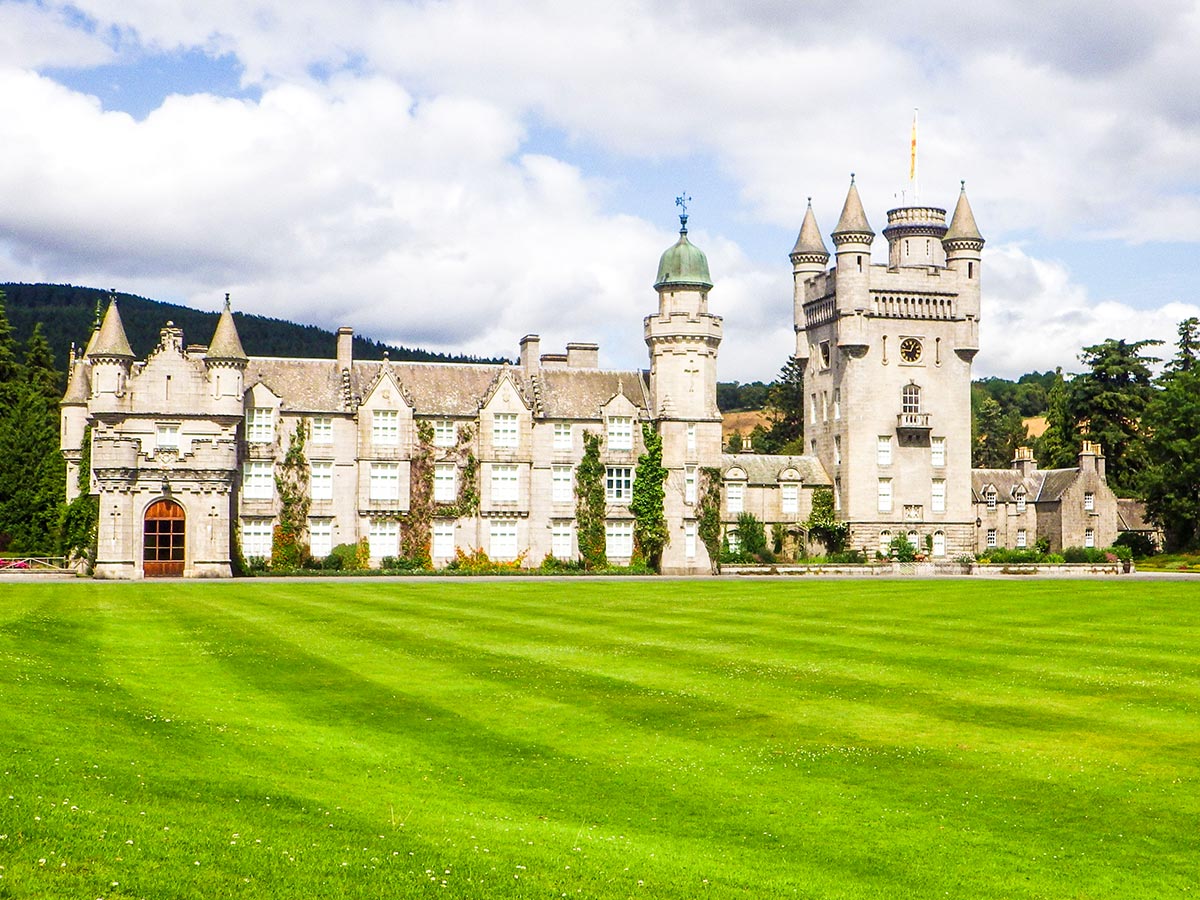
67	313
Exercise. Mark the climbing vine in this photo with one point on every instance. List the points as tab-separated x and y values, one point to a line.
823	525
708	514
589	504
415	537
80	518
289	550
650	534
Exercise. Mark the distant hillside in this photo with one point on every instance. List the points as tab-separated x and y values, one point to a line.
67	312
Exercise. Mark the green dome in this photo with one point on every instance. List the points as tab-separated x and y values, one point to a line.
683	264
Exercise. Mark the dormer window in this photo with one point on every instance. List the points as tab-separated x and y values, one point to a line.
989	497
620	433
260	425
1019	497
385	427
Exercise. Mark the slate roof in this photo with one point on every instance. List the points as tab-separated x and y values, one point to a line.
445	389
962	224
761	468
853	219
1042	485
110	340
225	343
79	387
1131	516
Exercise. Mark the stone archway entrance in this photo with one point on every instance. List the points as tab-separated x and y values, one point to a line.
163	543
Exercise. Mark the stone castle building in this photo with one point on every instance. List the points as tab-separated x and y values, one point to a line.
185	445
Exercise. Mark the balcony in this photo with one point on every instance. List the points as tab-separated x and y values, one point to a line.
909	421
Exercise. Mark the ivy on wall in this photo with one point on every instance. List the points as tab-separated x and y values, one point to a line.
589	504
289	549
650	534
823	525
416	541
81	517
708	514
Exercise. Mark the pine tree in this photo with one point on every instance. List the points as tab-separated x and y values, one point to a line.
10	366
33	472
1058	446
39	371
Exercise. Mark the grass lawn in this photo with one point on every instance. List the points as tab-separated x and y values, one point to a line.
394	738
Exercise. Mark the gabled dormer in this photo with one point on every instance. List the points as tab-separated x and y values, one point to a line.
385	417
505	418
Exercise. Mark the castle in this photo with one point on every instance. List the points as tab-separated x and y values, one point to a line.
186	445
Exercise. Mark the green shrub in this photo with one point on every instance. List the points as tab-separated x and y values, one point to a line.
351	557
552	564
1084	555
1140	545
847	556
901	550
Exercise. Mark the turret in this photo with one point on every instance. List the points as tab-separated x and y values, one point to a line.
809	257
110	356
914	235
852	239
683	281
226	360
964	245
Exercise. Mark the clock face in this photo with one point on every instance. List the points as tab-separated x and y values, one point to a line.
910	350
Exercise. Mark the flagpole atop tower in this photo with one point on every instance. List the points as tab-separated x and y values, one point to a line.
912	160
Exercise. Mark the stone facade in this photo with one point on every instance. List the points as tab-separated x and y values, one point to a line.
186	444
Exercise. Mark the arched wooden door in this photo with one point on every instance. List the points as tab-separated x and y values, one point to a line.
163	539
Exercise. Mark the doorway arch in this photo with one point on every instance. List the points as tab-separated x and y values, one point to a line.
163	539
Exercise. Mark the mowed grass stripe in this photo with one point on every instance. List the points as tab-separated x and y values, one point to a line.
732	738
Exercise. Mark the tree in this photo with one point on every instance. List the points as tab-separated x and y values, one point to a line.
822	522
995	432
785	399
1188	347
10	366
650	533
39	370
589	504
33	471
1108	402
1058	446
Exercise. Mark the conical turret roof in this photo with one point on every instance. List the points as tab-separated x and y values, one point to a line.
110	340
78	389
683	263
853	220
225	344
809	242
962	225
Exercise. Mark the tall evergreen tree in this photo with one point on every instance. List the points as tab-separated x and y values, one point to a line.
1108	401
39	371
10	366
785	399
32	471
996	432
1058	447
1187	348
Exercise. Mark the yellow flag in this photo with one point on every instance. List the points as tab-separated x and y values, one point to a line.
912	161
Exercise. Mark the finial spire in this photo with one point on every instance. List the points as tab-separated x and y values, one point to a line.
227	299
682	201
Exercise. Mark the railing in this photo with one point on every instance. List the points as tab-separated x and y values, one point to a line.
19	564
913	420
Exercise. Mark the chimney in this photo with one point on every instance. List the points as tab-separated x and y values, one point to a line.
1091	458
583	356
345	347
530	348
554	361
1024	462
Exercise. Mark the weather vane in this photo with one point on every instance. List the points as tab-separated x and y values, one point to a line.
682	201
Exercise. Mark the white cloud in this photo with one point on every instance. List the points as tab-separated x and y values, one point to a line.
31	37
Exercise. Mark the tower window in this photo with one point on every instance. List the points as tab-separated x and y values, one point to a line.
970	270
910	399
859	263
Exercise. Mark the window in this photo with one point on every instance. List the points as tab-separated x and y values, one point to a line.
812	409
502	539
260	425
689	484
734	540
618	484
824	406
445	483
504	430
321	481
561	544
989	497
914	540
991	537
504	484
385	427
445	433
789	498
883	450
1021	539
1089	537
837	494
256	538
691	437
562	484
1020	497
258	480
735	497
618	539
322	430
885	495
383	537
620	433
320	537
825	354
562	436
885	542
937	452
443	540
1089	501
837	449
167	437
384	482
689	540
938	495
837	403
910	399
939	543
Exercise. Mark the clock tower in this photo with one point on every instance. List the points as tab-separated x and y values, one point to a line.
887	351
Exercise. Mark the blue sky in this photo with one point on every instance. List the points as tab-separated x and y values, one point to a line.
458	174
